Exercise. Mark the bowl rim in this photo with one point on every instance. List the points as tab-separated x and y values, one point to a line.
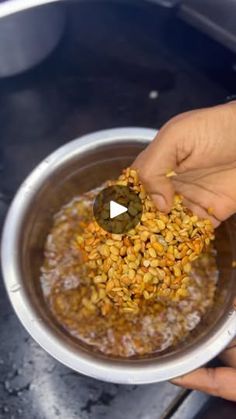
12	7
83	363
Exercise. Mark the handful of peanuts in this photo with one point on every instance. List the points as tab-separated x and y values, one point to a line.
149	263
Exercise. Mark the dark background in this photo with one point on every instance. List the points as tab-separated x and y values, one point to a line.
111	57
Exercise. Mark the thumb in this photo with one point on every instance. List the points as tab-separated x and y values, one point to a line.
220	382
161	190
153	165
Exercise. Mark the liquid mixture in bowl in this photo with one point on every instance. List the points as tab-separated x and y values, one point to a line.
113	292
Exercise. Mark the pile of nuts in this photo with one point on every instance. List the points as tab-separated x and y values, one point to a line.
151	262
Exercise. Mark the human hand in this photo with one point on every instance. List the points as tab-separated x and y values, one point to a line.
200	146
220	382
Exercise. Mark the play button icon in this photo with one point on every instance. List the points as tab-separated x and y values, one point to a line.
117	209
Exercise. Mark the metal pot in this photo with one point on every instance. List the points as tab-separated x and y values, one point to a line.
74	168
29	31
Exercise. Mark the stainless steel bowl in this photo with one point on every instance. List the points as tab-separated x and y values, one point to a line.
76	167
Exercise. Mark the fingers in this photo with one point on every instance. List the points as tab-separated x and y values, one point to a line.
161	191
229	355
201	212
209	190
220	382
153	164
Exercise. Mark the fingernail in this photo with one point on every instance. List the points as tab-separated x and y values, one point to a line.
160	202
176	381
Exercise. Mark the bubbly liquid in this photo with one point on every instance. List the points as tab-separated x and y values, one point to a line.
154	329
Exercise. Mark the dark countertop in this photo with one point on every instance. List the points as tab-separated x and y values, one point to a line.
100	76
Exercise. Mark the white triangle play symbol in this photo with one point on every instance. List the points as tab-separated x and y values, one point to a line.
116	209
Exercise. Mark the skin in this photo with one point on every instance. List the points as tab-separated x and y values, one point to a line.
200	147
220	382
